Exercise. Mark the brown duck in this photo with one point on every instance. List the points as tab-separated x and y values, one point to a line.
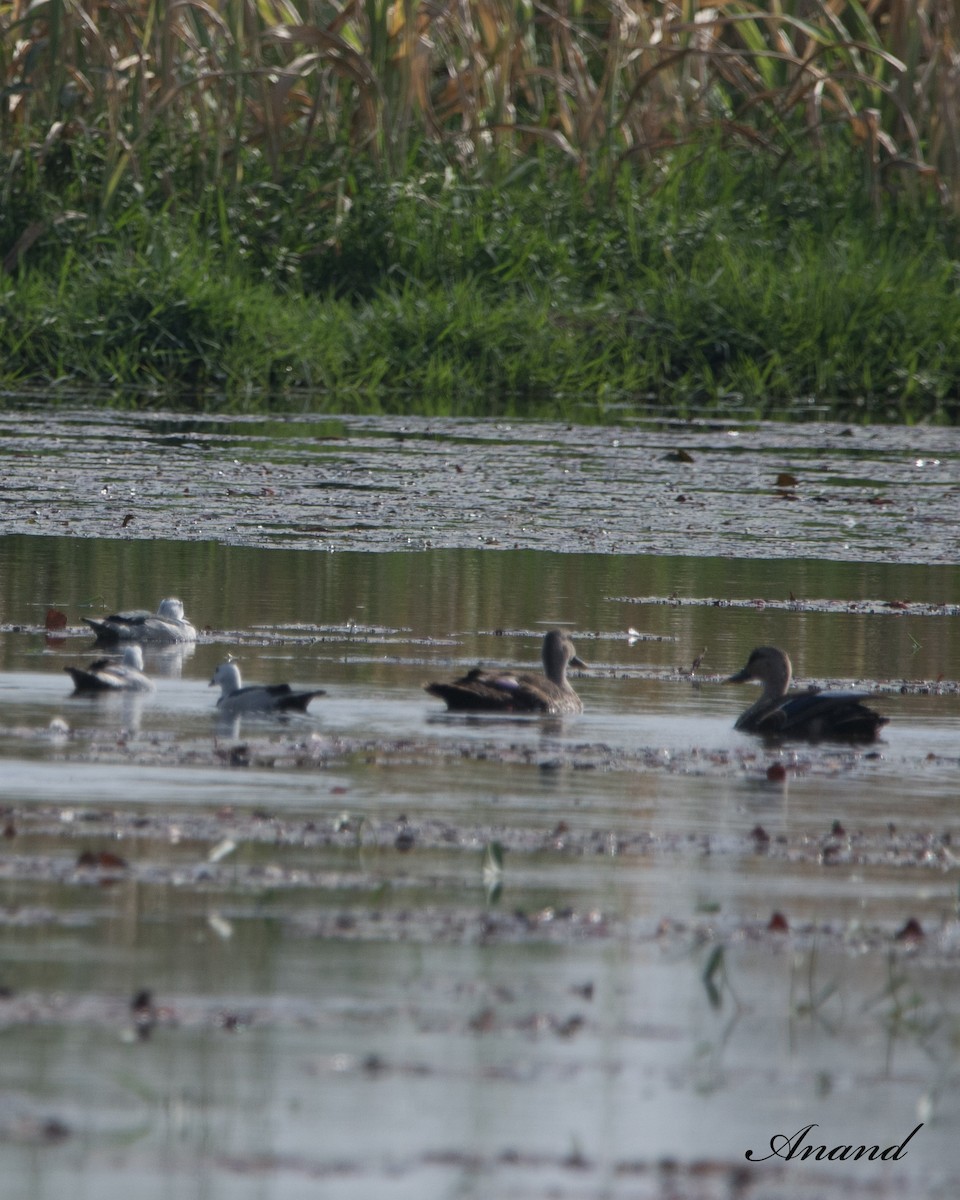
515	692
813	715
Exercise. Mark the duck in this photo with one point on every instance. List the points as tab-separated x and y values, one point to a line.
108	675
813	715
275	699
515	692
166	626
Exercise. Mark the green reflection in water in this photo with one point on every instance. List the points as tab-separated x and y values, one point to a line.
436	593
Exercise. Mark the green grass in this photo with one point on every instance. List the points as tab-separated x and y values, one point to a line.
718	283
483	208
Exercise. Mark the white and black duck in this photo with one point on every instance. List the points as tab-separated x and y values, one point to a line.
110	675
165	627
256	699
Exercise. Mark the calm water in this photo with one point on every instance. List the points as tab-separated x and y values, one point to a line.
330	1020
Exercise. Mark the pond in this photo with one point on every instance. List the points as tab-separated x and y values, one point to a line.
386	950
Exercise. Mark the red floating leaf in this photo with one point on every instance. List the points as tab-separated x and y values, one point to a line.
778	923
105	860
56	619
776	771
911	932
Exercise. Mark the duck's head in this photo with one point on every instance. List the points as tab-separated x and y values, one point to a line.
171	609
227	677
768	664
133	657
559	653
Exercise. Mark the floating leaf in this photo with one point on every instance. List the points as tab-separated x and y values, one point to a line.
912	931
220	926
55	619
778	923
714	967
493	858
104	860
492	871
221	850
776	772
786	480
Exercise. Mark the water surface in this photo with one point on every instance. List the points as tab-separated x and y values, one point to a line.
343	999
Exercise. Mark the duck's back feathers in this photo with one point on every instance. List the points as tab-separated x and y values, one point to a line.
481	691
813	715
517	692
276	697
256	699
817	716
109	675
166	626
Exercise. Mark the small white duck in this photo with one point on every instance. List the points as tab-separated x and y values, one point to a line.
108	675
165	627
271	700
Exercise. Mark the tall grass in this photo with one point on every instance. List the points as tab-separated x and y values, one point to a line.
713	289
459	198
599	82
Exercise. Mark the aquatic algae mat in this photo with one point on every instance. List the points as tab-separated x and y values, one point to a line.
770	490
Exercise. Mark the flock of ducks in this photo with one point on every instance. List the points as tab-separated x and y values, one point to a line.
811	715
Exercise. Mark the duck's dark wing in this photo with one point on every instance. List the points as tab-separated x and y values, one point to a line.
484	691
291	701
279	697
827	716
117	626
90	679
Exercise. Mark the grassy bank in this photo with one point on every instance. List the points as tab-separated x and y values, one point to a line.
194	232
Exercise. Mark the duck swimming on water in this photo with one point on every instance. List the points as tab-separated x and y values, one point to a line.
516	692
256	700
108	675
814	715
164	627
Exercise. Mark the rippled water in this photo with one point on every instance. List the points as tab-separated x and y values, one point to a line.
342	1002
